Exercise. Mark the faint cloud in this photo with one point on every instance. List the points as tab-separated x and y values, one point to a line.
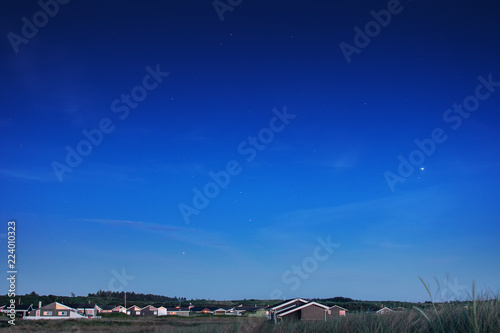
26	175
187	235
136	224
345	161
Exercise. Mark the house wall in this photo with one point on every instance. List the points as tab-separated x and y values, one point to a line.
134	311
296	315
56	310
337	312
312	312
150	311
72	315
87	311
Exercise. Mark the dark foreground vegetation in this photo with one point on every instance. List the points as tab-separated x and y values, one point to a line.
474	316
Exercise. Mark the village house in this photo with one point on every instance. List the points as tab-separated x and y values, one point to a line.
133	311
56	310
338	311
384	310
220	311
243	310
288	304
258	312
203	309
149	311
107	308
300	309
21	310
119	308
86	309
162	311
178	311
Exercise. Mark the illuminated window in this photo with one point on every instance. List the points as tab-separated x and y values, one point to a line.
47	313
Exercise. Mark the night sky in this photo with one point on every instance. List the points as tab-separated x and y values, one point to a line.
252	149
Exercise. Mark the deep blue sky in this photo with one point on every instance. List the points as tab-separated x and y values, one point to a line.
322	176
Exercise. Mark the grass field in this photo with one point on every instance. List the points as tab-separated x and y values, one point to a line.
475	317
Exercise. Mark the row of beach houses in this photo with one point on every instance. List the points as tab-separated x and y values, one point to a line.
292	309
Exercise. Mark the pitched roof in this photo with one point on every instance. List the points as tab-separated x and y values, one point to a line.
149	307
82	306
336	306
284	313
21	307
108	307
201	308
134	307
287	302
385	308
57	305
177	309
219	309
248	308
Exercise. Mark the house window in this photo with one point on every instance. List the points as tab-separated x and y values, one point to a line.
342	312
63	313
128	312
155	313
138	313
47	313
